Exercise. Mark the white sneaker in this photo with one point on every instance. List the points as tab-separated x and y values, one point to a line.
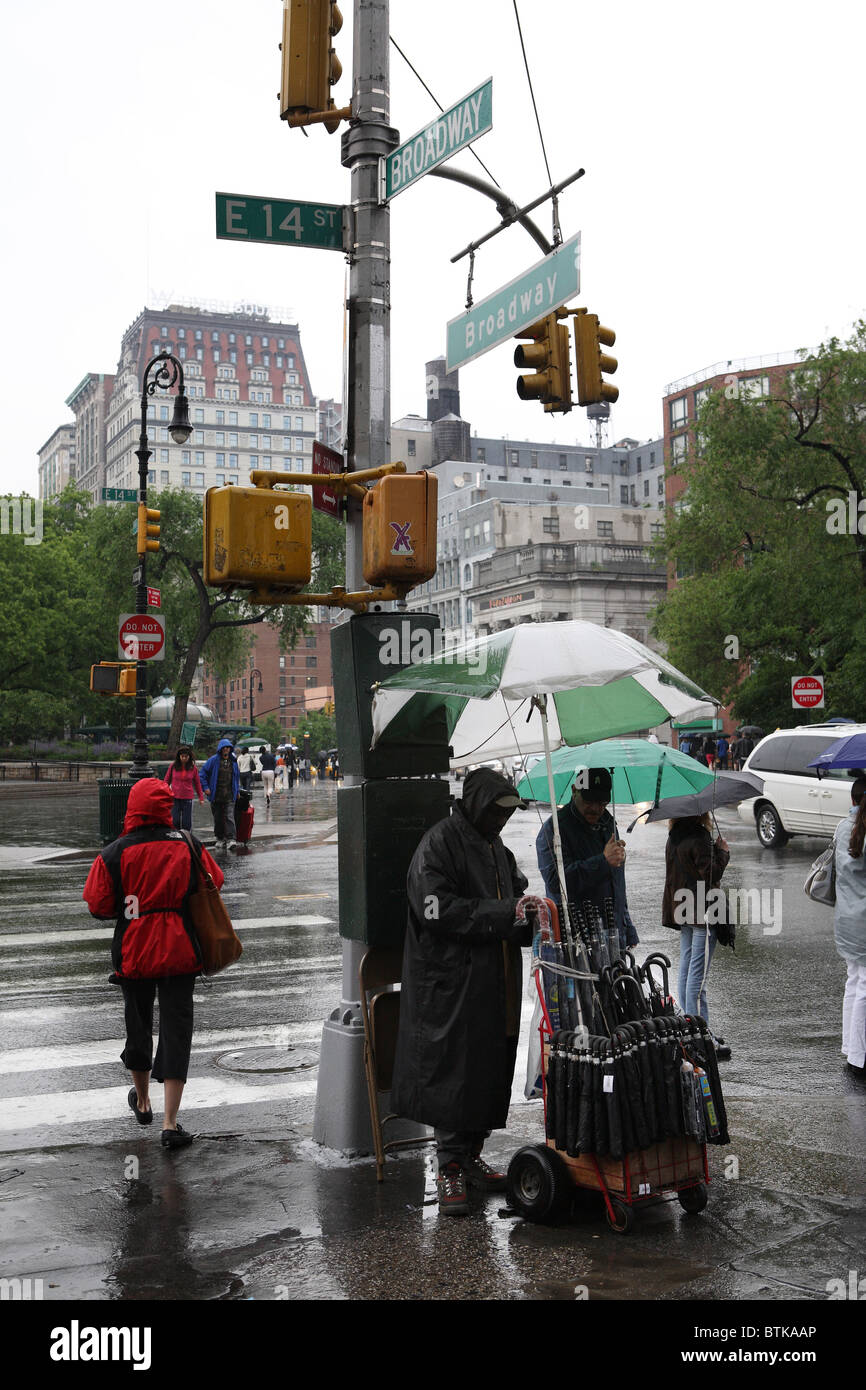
232	844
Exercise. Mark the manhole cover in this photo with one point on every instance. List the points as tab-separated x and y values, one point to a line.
267	1059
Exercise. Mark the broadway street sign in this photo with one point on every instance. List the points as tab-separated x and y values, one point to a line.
274	220
547	286
438	141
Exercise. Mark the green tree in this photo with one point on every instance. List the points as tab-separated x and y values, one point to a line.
769	542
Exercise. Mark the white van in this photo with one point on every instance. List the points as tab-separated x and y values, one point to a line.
795	800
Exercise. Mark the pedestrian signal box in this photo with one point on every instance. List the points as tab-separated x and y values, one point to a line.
112	678
255	536
400	529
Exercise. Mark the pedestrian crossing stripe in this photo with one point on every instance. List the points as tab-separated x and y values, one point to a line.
60	938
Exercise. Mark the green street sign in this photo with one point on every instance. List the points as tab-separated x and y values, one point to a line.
438	141
281	222
546	286
119	494
188	732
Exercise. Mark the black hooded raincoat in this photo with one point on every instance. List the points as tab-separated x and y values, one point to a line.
461	988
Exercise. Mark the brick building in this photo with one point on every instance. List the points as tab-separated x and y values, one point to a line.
293	683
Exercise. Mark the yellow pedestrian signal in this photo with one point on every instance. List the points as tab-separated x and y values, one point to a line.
589	335
148	529
549	353
112	678
256	537
310	67
399	520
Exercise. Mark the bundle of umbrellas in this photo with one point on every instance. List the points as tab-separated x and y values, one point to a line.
652	1079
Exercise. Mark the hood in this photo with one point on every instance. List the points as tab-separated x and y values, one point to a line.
480	788
150	803
687	827
225	743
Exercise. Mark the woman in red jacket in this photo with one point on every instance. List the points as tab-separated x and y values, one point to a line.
142	880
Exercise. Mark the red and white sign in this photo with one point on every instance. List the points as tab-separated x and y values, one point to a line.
326	460
807	692
154	598
141	637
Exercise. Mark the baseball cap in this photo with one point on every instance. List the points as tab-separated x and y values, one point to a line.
599	785
510	802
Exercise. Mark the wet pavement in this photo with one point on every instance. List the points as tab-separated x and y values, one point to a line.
92	1206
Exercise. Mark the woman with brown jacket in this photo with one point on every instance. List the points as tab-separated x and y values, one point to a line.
694	864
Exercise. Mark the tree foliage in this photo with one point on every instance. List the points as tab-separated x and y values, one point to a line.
769	543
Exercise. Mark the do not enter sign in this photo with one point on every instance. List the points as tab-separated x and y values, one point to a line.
807	692
141	637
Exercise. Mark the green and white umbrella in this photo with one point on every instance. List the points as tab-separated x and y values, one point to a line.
640	771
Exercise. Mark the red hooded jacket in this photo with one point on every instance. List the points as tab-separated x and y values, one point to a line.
143	879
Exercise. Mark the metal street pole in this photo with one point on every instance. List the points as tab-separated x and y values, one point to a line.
342	1116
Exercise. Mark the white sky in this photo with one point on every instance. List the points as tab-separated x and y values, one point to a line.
721	209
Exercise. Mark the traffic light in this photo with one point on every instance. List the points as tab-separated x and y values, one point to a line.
549	353
399	521
310	67
589	335
259	538
148	529
112	678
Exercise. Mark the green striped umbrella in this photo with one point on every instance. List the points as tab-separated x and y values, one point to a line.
641	771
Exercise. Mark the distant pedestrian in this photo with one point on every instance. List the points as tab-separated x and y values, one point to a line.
141	880
280	774
269	767
323	765
694	864
291	765
709	750
245	768
722	752
185	785
222	781
849	926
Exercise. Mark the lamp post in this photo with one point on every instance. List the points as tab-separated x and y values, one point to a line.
254	671
168	371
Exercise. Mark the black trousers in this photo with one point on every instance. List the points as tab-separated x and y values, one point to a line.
175	1026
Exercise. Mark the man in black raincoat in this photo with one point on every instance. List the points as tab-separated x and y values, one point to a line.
460	1001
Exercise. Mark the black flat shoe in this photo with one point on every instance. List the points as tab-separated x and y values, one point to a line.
144	1117
176	1138
859	1072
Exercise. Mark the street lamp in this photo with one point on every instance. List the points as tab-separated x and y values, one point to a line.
168	371
254	671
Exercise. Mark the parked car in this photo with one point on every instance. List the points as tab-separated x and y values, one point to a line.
795	800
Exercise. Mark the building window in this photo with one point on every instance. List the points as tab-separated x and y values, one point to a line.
623	494
563	462
199	480
410	445
679	448
679	412
605	528
661	485
550	525
482	455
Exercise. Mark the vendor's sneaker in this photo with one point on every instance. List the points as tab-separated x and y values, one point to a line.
480	1174
451	1189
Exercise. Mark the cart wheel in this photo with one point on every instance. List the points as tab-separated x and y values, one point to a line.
538	1186
693	1199
623	1217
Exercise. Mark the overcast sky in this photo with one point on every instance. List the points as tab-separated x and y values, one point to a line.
720	211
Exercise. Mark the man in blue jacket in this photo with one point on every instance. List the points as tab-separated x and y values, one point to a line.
221	781
592	855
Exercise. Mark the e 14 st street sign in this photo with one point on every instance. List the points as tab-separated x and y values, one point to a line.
548	285
281	222
438	141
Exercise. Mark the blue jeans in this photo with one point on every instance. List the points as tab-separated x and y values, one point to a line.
696	951
181	814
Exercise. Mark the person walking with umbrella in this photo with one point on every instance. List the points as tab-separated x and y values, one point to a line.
461	985
694	864
592	853
849	926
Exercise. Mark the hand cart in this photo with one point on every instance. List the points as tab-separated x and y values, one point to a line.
542	1177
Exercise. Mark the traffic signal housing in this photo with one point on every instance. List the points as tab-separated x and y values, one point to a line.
112	678
549	353
310	67
589	336
399	522
148	529
258	538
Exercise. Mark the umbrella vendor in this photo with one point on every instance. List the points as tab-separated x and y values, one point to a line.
461	985
592	853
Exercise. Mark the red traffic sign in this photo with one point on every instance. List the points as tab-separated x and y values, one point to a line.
326	460
141	637
807	692
154	598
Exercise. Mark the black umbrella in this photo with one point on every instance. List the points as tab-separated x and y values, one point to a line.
751	730
727	788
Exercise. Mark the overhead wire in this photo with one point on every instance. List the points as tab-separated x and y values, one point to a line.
441	107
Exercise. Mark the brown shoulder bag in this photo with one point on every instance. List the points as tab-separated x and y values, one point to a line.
218	942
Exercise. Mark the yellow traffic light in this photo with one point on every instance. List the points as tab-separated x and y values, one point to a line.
399	522
256	537
550	354
310	67
148	529
589	335
112	678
